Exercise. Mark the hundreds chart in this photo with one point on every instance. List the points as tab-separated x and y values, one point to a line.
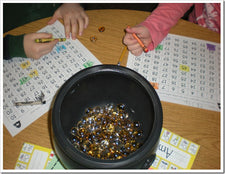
26	79
183	71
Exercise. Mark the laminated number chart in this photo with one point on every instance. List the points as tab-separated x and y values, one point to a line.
27	79
183	70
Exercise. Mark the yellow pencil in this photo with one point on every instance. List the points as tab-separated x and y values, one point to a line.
122	55
49	40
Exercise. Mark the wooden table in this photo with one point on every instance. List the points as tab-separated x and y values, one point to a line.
198	125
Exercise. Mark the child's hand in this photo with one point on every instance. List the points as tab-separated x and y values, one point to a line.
74	17
36	50
132	44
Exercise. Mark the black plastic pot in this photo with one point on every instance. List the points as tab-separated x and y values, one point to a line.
100	85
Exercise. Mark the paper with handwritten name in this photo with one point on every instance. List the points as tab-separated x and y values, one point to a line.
33	157
174	152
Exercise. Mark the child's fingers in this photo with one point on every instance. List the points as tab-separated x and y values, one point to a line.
42	35
47	47
73	29
135	49
137	52
54	18
129	30
137	30
80	25
86	21
67	27
134	46
129	40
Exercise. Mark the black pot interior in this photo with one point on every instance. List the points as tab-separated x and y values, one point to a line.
102	88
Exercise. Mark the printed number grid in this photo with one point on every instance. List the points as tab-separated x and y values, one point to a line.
186	71
25	79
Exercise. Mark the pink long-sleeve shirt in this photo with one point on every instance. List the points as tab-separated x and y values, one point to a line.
166	15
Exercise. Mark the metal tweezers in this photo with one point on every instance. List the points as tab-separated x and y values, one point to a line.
40	100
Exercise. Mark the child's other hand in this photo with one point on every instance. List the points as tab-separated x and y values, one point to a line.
36	50
132	44
74	17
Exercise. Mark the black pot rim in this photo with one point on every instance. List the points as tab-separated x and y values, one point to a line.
90	162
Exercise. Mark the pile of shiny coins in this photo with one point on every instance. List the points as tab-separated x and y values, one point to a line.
107	132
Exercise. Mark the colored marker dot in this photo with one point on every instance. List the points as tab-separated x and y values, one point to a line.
211	47
25	65
184	68
88	64
159	47
155	85
33	73
24	80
